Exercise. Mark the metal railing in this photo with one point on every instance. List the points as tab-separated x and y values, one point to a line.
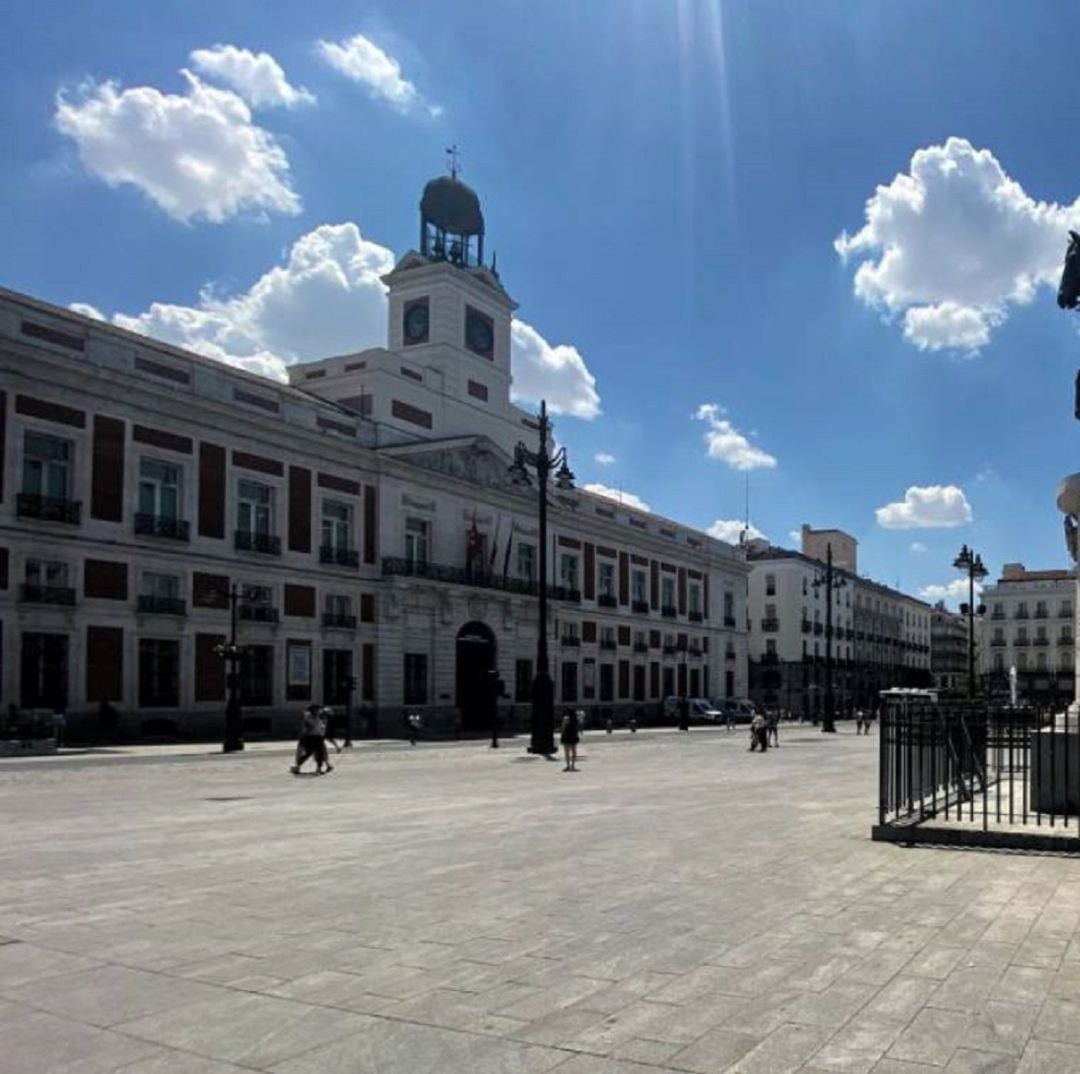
770	626
641	607
341	557
258	613
48	508
46	594
176	529
969	773
266	543
340	621
483	579
149	604
607	600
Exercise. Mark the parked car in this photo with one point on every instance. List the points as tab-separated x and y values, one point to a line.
736	709
701	708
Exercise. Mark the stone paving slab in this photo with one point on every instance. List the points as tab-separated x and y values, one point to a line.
678	905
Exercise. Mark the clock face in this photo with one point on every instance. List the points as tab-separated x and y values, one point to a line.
416	322
479	334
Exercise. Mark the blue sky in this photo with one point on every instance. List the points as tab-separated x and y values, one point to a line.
665	185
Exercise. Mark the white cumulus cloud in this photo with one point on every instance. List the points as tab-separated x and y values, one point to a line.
358	58
256	76
926	507
952	243
917	547
627	499
731	529
327	298
953	592
556	373
723	441
604	459
197	154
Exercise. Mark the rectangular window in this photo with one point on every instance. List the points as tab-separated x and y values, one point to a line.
526	562
637	587
729	609
159	489
569	682
607	682
523	678
255	508
770	647
47	466
257	675
338	605
415	690
695	599
770	585
336	525
46	573
43	678
568	570
160	586
667	592
606	579
417	541
159	673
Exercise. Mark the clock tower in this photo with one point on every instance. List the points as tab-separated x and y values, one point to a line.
448	309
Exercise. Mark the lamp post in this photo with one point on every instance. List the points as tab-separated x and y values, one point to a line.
232	654
542	739
970	561
824	579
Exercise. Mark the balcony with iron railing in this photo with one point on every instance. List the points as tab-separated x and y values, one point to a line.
571	641
806	626
338	621
997	615
48	508
607	600
668	650
168	526
265	543
608	643
695	650
396	566
1021	613
819	629
668	611
257	613
338	556
770	626
1066	639
46	594
641	607
1041	613
1041	641
729	654
695	617
1022	643
1065	613
151	604
640	647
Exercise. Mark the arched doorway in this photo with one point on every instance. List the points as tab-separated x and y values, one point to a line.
475	671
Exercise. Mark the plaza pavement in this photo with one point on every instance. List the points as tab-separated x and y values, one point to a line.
678	905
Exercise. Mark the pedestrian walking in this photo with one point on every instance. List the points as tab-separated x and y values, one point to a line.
415	726
59	726
569	736
327	715
759	739
311	741
772	728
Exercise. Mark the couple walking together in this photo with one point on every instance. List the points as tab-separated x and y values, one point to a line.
312	741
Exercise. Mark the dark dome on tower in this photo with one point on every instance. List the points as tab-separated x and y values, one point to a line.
452	206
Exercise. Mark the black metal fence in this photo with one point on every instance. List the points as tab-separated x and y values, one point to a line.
977	774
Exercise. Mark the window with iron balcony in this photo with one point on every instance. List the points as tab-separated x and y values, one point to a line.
47	481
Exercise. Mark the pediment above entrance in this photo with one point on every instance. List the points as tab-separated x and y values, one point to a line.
475	459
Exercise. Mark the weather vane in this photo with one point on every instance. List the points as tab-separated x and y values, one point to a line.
453	160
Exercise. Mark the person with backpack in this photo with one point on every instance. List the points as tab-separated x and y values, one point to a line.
570	736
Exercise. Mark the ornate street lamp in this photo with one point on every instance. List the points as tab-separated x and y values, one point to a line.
825	579
232	654
971	562
542	740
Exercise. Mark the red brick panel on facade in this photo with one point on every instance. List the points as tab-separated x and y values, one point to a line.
105	579
570	542
299	509
624	635
412	414
107	470
705	597
259	463
104	664
367	607
681	587
624	578
590	571
209	668
159	438
3	568
588	632
209	590
370	507
300	600
654	584
211	490
46	411
339	484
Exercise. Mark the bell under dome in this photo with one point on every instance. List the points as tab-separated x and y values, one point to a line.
452	206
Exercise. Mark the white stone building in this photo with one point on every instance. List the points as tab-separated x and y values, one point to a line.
880	636
1029	624
363	512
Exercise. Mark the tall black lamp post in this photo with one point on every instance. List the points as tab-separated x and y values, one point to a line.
543	689
232	654
828	580
971	562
